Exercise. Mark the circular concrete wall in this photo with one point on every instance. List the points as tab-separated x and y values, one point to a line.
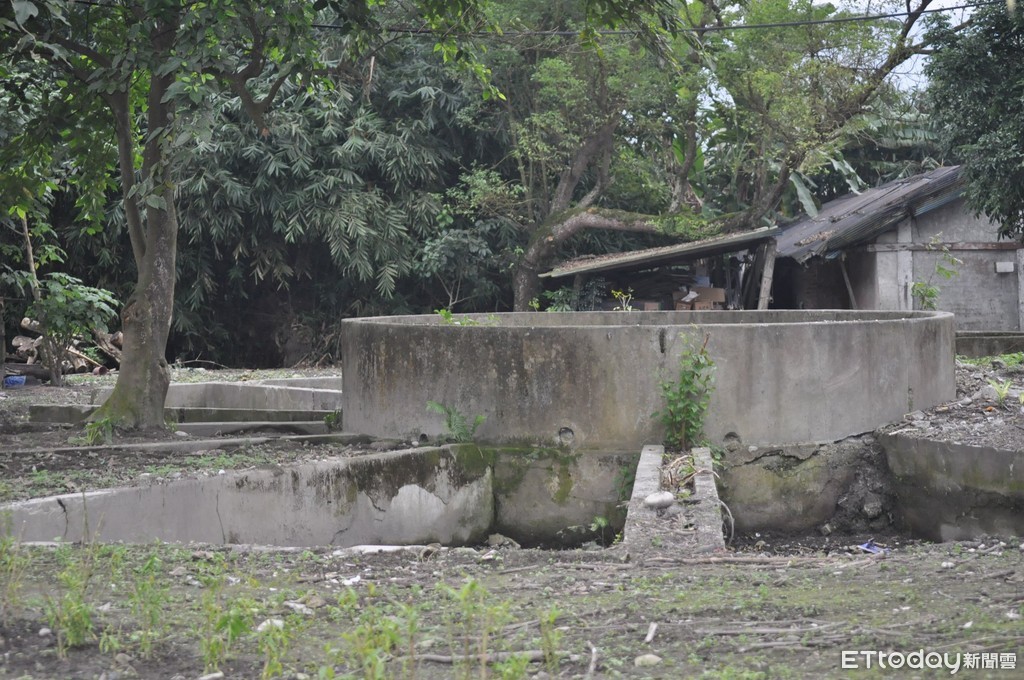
590	379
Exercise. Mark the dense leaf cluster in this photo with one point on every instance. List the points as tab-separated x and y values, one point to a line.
977	89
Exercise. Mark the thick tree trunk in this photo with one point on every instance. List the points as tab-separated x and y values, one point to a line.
138	397
549	236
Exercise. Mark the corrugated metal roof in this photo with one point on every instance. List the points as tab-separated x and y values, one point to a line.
856	218
653	257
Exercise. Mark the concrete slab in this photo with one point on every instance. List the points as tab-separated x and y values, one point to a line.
207	444
415	496
243	396
655	533
228	428
953	492
325	382
77	413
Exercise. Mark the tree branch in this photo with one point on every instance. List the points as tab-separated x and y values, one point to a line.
126	160
571	176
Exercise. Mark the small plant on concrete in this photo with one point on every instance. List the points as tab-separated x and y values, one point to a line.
946	267
1002	390
457	426
624	300
333	420
687	399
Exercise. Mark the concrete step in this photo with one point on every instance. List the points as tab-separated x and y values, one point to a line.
244	395
211	444
76	413
220	429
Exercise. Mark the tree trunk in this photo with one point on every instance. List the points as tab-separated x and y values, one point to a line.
138	397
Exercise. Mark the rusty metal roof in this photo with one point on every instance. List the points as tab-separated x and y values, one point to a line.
649	258
856	218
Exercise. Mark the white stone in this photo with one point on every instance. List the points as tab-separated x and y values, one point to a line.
45	632
659	500
268	624
647	660
948	565
299	608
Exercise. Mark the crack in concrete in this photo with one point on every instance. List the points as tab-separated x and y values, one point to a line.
781	453
216	507
67	520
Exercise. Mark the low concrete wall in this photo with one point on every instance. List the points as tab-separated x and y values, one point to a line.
988	343
842	486
454	495
419	496
243	396
551	497
591	379
951	492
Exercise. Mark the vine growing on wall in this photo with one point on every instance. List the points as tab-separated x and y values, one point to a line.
687	398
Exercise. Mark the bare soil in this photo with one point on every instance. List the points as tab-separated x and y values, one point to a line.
770	607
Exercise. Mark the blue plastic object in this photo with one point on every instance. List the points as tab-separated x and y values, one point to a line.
14	381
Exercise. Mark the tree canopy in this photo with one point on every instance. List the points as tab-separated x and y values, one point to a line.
977	91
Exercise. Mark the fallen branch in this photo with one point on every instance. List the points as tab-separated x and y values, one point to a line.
532	656
592	668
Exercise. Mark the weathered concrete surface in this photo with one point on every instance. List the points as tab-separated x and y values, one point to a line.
951	492
541	493
988	343
840	486
646	532
591	379
413	496
77	413
223	443
243	396
213	429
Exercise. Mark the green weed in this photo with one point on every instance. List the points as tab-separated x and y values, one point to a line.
14	563
1002	390
148	599
69	612
687	399
457	427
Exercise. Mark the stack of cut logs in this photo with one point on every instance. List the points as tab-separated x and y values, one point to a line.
27	360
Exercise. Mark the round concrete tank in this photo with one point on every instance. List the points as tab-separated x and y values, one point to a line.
591	379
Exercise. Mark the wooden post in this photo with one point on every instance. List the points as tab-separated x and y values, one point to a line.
849	286
767	273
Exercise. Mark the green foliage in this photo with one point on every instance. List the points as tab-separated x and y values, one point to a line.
687	398
474	625
333	420
149	596
14	564
1002	390
223	622
68	611
550	636
624	300
976	77
67	308
926	293
457	428
274	642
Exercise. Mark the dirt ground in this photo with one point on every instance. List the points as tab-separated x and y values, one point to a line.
770	607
